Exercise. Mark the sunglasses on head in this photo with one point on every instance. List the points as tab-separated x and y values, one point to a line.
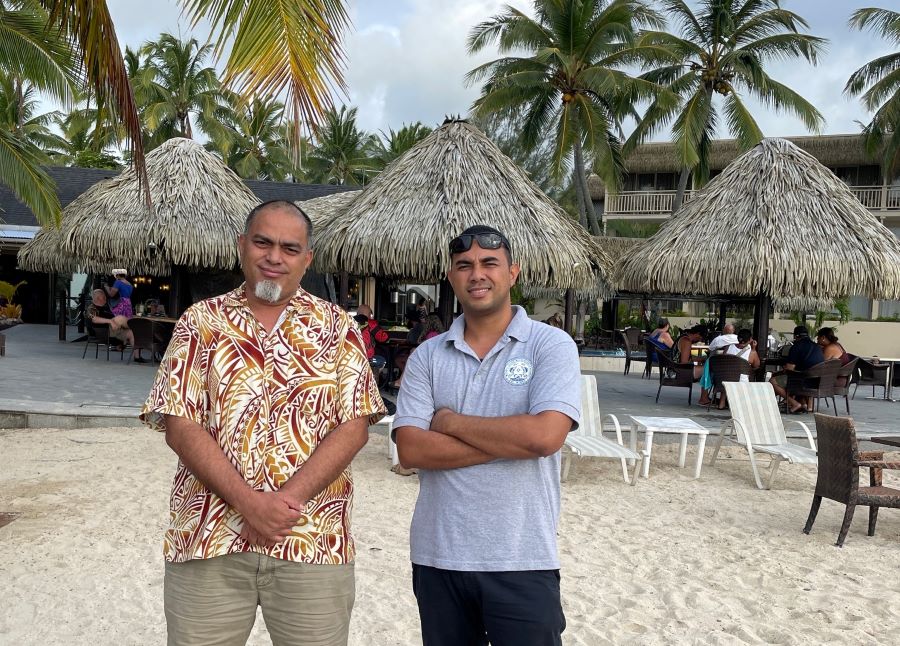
463	242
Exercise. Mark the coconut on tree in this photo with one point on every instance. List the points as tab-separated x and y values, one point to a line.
718	58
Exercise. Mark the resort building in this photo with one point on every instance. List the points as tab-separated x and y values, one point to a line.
649	184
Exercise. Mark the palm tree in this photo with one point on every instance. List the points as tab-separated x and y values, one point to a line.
722	49
394	144
87	134
572	81
250	137
878	81
32	59
341	152
174	85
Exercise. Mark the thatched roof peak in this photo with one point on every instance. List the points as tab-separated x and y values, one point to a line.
456	177
198	210
775	221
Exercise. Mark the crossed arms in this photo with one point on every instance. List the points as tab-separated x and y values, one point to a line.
455	440
269	516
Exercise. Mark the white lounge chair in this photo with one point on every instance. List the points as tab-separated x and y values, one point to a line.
587	440
756	421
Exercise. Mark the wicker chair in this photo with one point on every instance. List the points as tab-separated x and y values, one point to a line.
870	374
678	375
838	478
842	382
817	381
142	329
726	367
630	338
98	334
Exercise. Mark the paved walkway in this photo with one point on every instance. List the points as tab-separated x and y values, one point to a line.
45	383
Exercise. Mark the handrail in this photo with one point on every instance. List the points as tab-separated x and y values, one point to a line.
654	203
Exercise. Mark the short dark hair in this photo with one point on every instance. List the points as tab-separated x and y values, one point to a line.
744	335
285	205
663	322
801	330
479	229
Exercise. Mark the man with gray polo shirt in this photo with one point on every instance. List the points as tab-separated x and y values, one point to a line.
482	413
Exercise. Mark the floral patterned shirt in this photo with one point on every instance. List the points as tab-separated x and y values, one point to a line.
268	399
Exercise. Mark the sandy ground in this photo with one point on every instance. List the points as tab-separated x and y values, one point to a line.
672	560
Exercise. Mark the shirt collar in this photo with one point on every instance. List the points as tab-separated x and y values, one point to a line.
519	327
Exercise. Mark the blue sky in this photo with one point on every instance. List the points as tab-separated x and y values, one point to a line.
407	58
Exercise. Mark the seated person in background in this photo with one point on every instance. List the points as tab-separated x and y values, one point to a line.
805	353
414	323
682	352
99	313
432	327
372	333
155	308
555	320
727	338
831	349
745	348
661	334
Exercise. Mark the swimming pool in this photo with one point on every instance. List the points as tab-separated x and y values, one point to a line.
590	352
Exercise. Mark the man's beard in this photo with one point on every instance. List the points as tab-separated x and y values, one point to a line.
268	290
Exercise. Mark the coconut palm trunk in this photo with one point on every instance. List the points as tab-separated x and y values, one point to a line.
587	216
679	192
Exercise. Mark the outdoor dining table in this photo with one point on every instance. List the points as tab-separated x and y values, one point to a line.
889	383
682	426
890	440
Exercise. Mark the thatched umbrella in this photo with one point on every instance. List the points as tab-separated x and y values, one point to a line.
44	254
199	206
324	209
774	224
400	224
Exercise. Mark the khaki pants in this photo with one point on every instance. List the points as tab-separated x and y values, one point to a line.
213	601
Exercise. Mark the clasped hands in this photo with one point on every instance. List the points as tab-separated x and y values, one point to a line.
269	517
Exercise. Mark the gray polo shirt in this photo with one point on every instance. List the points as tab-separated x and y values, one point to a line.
499	516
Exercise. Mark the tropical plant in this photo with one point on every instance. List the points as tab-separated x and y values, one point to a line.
341	153
32	59
723	48
571	82
86	135
878	84
18	112
174	85
250	137
8	290
394	144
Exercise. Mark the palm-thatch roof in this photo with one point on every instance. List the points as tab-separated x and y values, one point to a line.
322	210
401	223
776	222
199	206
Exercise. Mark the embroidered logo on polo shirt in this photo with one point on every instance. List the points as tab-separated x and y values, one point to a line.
518	372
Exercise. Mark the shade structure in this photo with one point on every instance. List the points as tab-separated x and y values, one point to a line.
44	253
400	225
777	223
324	209
198	210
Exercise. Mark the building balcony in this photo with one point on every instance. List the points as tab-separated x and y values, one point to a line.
883	201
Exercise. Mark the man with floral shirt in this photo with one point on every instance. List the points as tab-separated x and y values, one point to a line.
265	394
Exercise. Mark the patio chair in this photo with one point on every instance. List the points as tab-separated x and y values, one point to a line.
757	424
843	380
677	375
838	477
587	440
142	329
98	335
726	367
870	374
631	351
653	349
817	381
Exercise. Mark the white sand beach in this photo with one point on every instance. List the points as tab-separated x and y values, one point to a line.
672	560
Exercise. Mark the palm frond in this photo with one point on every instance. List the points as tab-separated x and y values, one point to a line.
20	170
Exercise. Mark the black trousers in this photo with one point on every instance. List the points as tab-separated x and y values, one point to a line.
500	608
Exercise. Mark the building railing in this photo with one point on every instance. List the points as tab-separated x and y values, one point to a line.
659	203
